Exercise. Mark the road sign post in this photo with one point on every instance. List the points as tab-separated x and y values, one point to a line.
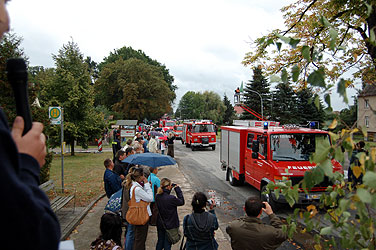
56	117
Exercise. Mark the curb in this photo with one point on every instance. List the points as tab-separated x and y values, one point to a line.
69	229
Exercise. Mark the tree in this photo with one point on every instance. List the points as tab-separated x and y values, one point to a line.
328	36
307	109
331	37
134	88
285	108
229	114
252	100
128	52
71	90
206	105
10	48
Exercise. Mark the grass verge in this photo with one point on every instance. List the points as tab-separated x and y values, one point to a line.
83	173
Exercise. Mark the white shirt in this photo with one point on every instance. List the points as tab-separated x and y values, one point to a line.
152	146
142	193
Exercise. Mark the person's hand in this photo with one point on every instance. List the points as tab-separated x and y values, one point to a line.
268	209
33	143
144	179
213	205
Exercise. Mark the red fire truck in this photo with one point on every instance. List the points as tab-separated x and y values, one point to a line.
199	134
166	124
178	131
260	153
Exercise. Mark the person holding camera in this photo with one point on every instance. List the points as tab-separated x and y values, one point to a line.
251	229
168	213
200	225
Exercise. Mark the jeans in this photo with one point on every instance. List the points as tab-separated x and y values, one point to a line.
163	242
129	238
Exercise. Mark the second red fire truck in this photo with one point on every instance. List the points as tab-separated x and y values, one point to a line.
199	134
260	153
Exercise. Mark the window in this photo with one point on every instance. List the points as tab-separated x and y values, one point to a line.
366	103
366	121
250	140
263	149
203	128
295	147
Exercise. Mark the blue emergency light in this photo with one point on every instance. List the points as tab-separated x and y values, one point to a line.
312	125
265	125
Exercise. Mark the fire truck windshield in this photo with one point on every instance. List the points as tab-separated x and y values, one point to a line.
179	128
295	147
199	128
169	124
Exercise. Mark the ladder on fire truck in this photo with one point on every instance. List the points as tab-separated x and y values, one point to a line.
239	101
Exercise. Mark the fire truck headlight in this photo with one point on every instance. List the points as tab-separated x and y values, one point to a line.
195	139
212	138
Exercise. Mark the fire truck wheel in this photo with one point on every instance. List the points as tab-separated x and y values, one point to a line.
213	147
193	148
233	181
182	142
187	145
269	199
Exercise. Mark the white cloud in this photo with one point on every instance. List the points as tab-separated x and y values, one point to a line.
201	42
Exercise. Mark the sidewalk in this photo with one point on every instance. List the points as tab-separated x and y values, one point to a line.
88	229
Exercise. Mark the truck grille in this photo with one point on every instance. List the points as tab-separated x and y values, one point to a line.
318	188
205	140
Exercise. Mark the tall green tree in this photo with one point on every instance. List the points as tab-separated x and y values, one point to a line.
285	108
126	53
135	89
307	109
206	105
71	90
10	47
260	85
229	114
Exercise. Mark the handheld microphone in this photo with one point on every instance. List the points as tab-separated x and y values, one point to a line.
17	77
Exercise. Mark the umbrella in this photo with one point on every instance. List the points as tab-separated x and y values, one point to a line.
162	138
150	159
156	133
114	203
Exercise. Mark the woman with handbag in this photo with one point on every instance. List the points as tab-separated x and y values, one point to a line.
199	226
168	220
138	208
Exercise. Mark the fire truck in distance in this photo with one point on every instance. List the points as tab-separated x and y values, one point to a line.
199	134
166	124
178	131
263	152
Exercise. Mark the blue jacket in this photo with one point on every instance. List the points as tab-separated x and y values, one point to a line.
25	212
155	181
112	182
199	229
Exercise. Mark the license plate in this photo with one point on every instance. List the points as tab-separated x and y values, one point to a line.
205	145
313	196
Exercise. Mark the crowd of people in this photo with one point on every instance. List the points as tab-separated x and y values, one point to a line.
129	184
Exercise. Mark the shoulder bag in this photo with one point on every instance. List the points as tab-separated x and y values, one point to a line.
137	213
173	234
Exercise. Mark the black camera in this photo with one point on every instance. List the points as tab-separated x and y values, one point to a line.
173	184
263	205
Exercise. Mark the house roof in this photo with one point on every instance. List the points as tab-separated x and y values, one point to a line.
126	122
369	90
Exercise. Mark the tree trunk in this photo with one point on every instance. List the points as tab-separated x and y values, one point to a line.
72	147
371	22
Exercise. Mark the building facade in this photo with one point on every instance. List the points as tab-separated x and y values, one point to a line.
367	111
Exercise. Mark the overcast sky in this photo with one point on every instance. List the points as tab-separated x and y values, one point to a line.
201	42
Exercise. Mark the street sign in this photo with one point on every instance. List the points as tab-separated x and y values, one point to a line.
55	115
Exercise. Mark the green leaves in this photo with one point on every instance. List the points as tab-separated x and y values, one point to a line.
295	73
325	21
291	41
364	195
317	78
306	53
369	179
326	231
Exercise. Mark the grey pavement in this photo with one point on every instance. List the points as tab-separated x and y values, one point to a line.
83	224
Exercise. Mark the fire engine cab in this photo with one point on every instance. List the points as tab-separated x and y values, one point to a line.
262	152
178	131
199	134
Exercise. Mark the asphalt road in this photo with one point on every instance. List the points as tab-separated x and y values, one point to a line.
202	168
